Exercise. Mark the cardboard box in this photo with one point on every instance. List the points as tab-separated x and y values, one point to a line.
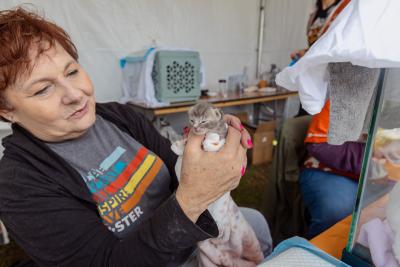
263	136
243	117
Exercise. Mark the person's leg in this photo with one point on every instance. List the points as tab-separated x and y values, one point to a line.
260	227
328	198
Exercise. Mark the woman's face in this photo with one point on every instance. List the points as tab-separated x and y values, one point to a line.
55	102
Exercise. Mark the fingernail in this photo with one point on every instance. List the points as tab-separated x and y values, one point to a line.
243	170
249	143
241	127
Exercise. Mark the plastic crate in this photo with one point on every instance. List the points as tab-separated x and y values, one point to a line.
176	76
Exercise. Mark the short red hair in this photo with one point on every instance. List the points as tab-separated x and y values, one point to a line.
20	29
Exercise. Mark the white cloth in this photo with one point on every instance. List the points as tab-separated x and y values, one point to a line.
378	237
137	84
364	33
393	217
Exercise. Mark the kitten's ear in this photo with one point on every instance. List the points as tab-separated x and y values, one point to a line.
219	113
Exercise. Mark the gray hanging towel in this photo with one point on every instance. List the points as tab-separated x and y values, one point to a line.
350	91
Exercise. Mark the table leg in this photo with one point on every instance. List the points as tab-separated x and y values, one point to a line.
256	113
275	109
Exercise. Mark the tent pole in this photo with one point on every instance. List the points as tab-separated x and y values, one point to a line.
260	38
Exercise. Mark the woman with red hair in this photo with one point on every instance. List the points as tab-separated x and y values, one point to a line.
89	184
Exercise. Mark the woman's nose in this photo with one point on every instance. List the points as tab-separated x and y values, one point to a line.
71	94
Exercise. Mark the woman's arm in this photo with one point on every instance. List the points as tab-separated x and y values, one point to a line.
347	157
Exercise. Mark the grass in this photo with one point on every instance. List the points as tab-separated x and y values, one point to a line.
250	193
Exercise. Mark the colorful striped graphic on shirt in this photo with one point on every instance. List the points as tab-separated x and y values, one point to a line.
125	192
112	210
146	181
121	195
104	193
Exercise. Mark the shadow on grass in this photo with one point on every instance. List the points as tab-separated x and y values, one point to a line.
251	191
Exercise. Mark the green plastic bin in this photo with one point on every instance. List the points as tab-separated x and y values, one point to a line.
176	76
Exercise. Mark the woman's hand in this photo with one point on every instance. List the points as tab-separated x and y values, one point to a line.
206	176
235	123
297	54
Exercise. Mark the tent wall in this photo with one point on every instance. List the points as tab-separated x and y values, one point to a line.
223	31
284	30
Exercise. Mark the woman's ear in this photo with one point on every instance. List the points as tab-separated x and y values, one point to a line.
6	115
6	111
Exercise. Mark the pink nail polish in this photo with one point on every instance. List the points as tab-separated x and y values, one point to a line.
249	143
243	170
241	127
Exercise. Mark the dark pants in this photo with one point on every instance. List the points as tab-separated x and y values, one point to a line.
328	198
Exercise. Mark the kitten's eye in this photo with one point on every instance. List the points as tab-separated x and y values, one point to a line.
191	121
202	122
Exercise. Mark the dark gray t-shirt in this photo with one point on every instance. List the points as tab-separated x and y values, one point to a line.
127	181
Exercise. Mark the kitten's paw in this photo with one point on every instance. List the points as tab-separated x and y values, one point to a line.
212	142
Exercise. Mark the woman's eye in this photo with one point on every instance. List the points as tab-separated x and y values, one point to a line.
72	73
42	91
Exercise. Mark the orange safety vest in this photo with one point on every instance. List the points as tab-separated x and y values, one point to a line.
319	126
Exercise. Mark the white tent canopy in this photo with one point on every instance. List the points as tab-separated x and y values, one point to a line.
223	31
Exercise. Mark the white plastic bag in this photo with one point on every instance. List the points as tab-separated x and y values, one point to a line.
364	33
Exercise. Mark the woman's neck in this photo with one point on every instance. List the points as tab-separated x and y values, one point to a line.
327	3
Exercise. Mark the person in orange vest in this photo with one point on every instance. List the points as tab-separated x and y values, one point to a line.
329	178
328	181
